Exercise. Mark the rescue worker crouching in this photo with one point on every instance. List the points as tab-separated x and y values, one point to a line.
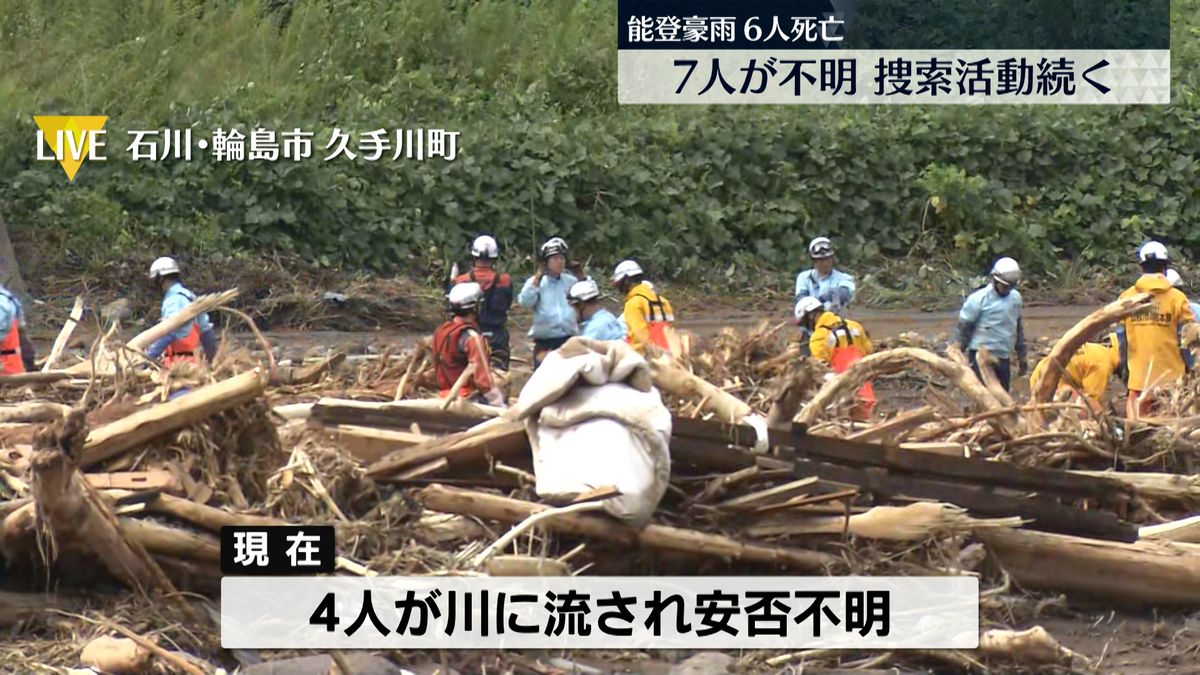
16	353
648	316
497	298
459	342
198	333
595	320
1091	367
1152	335
838	343
546	294
991	318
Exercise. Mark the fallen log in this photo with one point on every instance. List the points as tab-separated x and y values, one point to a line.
511	511
914	522
499	439
64	336
426	414
207	517
161	539
1073	339
895	361
309	374
892	428
156	479
1157	487
75	514
671	378
369	445
1186	530
1145	573
22	379
129	432
33	411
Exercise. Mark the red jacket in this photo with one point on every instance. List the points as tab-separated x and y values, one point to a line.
456	343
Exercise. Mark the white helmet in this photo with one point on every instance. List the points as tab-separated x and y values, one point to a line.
820	248
1152	250
626	269
465	295
162	267
806	306
485	246
1007	271
583	291
553	246
1173	277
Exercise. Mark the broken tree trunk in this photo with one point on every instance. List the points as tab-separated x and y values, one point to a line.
671	378
1156	487
23	379
495	438
206	517
143	340
987	373
33	411
895	361
785	402
899	424
493	507
1186	530
75	514
1073	339
129	432
1139	574
60	342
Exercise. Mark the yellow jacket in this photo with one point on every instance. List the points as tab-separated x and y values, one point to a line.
637	313
1153	333
1090	366
826	336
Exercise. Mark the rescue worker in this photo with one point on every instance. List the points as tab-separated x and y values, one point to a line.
1152	335
459	342
16	353
546	294
834	288
648	316
1090	368
497	297
1189	361
991	318
838	343
184	342
595	321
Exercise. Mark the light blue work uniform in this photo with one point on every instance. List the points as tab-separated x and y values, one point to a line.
603	326
553	316
996	320
835	290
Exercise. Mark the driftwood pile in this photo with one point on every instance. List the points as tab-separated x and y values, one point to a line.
113	495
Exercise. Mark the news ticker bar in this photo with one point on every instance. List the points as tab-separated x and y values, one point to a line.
860	77
599	612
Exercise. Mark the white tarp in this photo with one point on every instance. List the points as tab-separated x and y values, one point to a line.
595	419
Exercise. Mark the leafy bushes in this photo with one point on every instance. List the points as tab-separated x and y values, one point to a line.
546	150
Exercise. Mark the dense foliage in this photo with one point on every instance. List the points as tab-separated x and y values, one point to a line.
545	149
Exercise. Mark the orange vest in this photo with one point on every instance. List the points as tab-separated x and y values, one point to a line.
10	352
658	330
449	359
183	349
845	356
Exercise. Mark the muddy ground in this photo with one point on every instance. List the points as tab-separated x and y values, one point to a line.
1128	642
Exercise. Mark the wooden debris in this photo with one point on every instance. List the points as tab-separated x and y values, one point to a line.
33	411
64	336
671	378
895	361
115	655
1157	487
24	379
526	566
369	445
503	509
1185	530
157	479
129	432
892	428
756	499
19	607
1033	647
914	522
500	439
1073	339
1145	573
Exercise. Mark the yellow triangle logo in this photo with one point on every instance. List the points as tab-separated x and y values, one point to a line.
69	137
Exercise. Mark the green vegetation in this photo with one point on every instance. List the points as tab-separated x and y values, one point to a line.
545	149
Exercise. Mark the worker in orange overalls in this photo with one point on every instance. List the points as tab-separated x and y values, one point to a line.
839	343
16	354
184	343
459	342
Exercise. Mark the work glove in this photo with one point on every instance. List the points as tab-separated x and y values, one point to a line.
495	398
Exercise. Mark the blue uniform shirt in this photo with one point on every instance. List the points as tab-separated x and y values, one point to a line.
603	326
175	300
996	320
835	290
10	310
553	316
